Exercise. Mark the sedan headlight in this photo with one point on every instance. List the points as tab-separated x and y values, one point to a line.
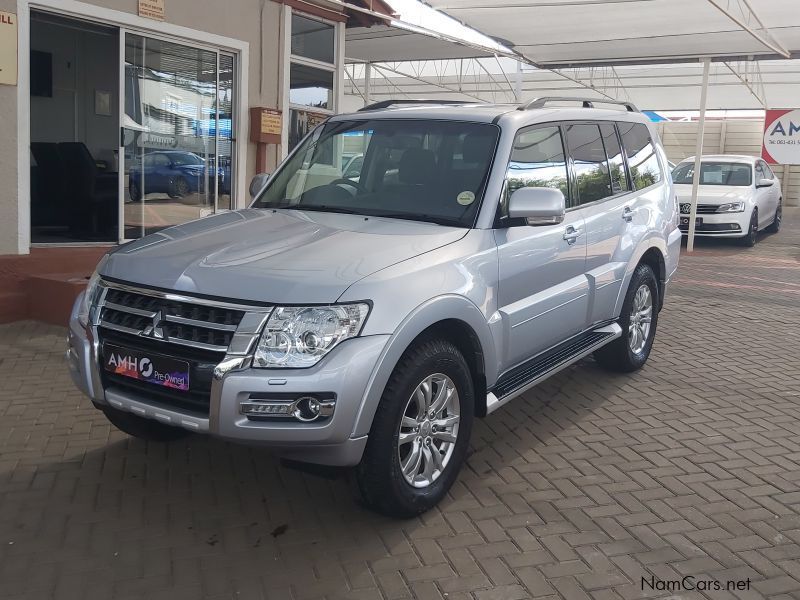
731	207
89	299
299	336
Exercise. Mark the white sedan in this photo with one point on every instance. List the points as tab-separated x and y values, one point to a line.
738	197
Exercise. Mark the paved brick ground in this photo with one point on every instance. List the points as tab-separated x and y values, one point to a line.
689	467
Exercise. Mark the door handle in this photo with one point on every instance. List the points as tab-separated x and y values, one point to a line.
627	214
571	235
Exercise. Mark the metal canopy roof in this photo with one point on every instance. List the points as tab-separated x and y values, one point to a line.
559	33
403	42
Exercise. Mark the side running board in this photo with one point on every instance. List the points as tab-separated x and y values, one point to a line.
528	374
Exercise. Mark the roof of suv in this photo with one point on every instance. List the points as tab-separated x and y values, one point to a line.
492	113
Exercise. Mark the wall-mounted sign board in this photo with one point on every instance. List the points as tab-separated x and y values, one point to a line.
152	9
266	125
781	137
8	48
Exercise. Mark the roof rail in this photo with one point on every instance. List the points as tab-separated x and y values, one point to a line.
586	102
390	103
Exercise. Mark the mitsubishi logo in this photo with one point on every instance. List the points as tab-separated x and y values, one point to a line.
154	330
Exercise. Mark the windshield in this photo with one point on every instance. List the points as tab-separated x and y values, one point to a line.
715	173
421	170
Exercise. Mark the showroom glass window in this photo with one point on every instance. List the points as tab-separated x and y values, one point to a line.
312	75
643	162
589	161
176	132
537	160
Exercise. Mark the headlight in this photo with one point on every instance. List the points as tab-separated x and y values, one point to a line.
89	299
731	207
299	336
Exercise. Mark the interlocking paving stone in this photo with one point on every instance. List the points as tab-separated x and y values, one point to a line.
576	491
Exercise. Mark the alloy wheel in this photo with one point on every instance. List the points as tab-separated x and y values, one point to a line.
641	317
428	430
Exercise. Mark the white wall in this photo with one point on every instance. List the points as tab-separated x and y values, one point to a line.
726	137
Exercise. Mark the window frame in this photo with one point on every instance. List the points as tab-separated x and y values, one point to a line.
574	192
314	63
664	171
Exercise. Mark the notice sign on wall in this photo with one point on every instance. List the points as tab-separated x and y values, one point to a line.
781	137
8	48
152	9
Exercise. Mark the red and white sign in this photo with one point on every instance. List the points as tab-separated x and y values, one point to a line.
781	144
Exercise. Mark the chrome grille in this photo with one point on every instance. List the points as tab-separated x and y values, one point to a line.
702	209
164	317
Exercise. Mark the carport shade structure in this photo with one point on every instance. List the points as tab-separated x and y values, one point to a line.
557	34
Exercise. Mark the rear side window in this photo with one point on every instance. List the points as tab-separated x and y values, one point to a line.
537	160
589	162
616	162
642	159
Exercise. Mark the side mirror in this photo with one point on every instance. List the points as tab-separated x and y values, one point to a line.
764	183
257	183
537	205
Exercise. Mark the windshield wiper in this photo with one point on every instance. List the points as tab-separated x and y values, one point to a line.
446	221
323	208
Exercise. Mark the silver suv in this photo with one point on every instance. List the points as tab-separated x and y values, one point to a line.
366	320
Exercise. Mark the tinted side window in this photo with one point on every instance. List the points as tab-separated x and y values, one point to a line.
642	159
589	161
616	163
537	160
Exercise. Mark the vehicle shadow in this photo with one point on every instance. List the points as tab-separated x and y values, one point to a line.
233	514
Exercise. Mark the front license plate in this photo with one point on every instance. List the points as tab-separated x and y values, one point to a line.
697	220
146	366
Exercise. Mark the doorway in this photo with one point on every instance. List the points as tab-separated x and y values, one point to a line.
74	108
130	133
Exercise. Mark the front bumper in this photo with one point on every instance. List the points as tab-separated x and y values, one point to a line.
718	224
345	372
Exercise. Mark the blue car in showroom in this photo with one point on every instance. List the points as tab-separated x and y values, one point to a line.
176	173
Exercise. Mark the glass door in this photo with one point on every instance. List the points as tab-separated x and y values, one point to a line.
176	142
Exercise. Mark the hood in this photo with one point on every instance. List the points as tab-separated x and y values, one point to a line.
713	194
281	257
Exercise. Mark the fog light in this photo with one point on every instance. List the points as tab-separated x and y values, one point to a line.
307	409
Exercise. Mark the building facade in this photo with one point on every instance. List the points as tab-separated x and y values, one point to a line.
127	116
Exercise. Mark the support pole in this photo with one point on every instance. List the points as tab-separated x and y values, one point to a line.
518	84
367	84
701	128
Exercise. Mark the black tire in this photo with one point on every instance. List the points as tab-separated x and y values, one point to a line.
135	192
750	239
145	429
618	355
380	479
775	226
179	188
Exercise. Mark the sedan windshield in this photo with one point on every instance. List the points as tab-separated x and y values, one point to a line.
715	173
420	170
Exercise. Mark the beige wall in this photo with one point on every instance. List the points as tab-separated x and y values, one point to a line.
8	159
726	137
257	22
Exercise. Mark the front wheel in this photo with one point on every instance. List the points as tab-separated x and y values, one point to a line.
420	434
775	226
750	239
638	320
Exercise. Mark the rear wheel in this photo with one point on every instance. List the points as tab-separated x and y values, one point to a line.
420	433
638	320
750	239
775	226
145	429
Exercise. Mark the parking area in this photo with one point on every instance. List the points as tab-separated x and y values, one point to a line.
583	488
